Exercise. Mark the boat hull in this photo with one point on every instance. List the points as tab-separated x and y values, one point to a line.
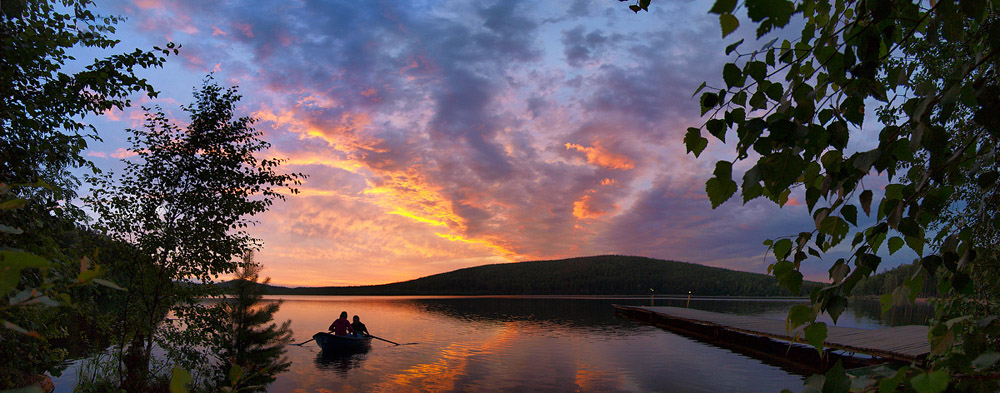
336	344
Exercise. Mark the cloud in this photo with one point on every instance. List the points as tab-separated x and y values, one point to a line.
123	153
448	134
599	156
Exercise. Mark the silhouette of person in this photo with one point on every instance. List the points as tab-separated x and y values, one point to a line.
341	326
359	328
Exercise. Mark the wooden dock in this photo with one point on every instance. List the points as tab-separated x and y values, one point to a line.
901	343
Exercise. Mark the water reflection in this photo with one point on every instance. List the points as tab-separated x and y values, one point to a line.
538	344
340	362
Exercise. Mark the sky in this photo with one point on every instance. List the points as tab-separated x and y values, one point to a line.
438	135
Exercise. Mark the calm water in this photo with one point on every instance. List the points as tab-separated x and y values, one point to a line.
483	344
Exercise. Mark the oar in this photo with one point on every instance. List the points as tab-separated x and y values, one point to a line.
380	338
304	342
390	342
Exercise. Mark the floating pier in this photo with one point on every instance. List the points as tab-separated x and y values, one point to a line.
756	335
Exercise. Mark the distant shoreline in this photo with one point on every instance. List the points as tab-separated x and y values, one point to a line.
596	297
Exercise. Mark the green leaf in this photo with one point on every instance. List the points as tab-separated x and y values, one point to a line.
988	179
108	284
836	306
700	87
635	8
894	191
723	7
235	373
721	187
782	248
886	302
799	315
717	127
19	203
816	335
756	70
22	259
853	109
729	23
889	385
791	280
694	142
179	379
850	214
836	380
931	263
986	360
11	230
732	75
916	244
88	275
895	243
733	46
719	190
930	382
12	326
916	285
708	101
775	91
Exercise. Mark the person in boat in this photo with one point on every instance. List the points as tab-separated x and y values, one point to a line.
342	326
360	329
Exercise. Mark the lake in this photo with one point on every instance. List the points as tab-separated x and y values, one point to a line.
498	344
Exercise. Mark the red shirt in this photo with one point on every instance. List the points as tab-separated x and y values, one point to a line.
341	326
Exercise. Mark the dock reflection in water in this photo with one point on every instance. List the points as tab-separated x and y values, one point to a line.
520	344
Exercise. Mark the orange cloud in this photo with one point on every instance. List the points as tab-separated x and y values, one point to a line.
494	244
98	154
370	92
583	208
608	181
599	156
344	134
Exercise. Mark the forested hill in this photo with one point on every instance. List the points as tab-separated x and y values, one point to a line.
596	275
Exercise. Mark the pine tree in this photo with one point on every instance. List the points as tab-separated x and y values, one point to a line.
249	344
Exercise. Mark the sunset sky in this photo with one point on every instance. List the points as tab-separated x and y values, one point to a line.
439	135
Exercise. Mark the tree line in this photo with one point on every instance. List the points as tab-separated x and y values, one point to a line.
595	275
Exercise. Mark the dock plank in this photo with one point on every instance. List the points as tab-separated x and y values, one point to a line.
908	343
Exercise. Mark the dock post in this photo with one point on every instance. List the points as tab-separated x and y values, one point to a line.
689	299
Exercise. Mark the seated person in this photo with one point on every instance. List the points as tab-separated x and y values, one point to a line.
341	326
359	328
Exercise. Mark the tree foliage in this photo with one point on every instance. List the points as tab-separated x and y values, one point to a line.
42	106
184	204
796	108
246	341
42	136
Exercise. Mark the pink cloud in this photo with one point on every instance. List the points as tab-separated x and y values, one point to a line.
123	153
245	28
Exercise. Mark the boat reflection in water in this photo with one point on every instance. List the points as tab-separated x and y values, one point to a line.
341	362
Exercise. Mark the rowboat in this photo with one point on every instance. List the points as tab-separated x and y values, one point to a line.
333	344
